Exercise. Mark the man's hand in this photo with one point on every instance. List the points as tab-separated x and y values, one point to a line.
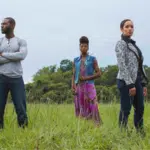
145	91
132	91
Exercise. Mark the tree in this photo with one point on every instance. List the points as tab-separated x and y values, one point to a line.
65	65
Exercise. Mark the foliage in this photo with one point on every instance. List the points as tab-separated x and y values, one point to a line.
52	84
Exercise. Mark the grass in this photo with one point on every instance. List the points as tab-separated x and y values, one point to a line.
54	127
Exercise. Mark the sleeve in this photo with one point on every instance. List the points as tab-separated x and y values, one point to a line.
120	49
3	60
20	55
144	78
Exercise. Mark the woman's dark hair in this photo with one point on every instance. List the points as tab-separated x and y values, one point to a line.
84	40
123	22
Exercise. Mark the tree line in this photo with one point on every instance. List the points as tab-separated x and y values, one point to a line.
52	84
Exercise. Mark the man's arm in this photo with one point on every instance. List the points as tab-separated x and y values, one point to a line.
17	56
3	60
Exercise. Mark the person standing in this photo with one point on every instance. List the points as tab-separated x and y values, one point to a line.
131	79
12	51
85	70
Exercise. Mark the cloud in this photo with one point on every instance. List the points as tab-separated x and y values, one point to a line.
53	28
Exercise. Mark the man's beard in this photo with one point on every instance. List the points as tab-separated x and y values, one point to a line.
6	31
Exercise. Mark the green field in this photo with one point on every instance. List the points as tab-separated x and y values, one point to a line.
54	127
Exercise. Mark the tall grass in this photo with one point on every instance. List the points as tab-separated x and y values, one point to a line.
54	127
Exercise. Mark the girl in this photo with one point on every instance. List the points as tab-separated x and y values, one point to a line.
131	77
84	66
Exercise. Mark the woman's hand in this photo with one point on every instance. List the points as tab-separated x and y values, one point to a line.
74	89
82	78
145	91
132	91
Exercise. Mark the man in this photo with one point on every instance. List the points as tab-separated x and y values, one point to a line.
12	51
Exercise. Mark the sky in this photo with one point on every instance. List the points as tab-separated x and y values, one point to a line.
52	28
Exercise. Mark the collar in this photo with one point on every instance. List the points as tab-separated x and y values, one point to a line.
128	39
87	57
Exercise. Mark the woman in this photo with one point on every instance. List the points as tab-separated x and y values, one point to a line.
132	79
84	66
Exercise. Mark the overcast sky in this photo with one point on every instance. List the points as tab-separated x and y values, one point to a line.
52	28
